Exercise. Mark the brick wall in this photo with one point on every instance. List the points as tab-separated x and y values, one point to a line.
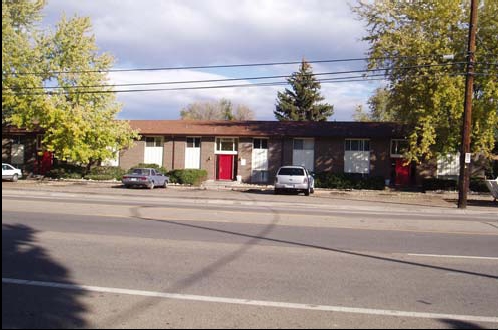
132	156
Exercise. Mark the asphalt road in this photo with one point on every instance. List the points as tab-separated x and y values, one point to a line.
76	259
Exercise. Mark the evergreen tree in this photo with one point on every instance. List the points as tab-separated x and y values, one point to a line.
302	103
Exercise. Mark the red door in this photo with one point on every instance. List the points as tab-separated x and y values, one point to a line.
402	173
225	167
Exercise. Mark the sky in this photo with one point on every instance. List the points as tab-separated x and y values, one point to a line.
199	33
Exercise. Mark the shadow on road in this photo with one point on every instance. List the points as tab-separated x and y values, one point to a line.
456	324
263	235
33	307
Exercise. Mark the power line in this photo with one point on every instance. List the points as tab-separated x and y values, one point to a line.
227	65
237	79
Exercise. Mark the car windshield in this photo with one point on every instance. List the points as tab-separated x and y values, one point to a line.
140	171
291	171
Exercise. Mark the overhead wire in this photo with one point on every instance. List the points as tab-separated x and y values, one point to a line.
364	76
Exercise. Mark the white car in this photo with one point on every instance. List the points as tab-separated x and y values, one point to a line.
11	173
294	178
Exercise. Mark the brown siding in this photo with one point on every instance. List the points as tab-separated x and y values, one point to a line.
179	145
132	156
168	153
288	145
274	158
245	152
208	159
329	155
380	158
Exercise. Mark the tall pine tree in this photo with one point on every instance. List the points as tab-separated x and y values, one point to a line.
302	103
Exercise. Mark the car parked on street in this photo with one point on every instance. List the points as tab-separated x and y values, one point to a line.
294	178
10	173
145	177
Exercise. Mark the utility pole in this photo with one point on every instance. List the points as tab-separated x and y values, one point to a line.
465	155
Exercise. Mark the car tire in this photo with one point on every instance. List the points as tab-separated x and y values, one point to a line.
151	185
14	178
307	192
165	184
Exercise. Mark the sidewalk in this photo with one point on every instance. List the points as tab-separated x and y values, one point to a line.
242	192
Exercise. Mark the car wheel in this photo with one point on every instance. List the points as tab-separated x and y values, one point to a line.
14	178
307	192
151	185
165	184
312	190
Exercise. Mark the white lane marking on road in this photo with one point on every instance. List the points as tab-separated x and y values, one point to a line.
450	256
264	303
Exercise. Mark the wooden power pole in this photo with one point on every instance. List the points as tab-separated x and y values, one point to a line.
465	154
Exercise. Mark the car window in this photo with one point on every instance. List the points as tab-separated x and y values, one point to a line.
138	171
291	171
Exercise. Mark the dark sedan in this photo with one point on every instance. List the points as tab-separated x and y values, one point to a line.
145	177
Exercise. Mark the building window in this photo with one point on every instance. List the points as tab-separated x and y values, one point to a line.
260	144
226	145
398	148
39	140
153	141
193	142
357	145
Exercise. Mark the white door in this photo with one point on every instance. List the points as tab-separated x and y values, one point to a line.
304	153
357	162
193	153
154	150
260	160
17	154
357	156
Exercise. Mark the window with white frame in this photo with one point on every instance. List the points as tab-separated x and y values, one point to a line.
357	156
153	141
398	147
226	146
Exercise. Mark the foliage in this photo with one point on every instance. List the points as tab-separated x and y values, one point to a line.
187	176
435	184
106	173
63	170
78	114
302	103
360	115
348	181
408	41
220	110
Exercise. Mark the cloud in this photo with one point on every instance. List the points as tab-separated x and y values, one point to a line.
171	33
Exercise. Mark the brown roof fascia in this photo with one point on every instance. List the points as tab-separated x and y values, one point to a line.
269	128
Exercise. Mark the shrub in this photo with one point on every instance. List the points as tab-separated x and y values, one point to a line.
476	184
105	173
188	176
66	171
348	181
